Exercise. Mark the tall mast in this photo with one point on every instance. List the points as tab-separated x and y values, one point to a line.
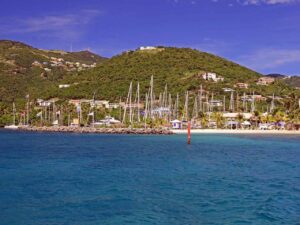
244	102
54	112
94	108
253	103
79	114
224	103
14	114
146	109
200	99
231	107
187	105
138	101
130	103
272	104
207	104
27	109
165	96
170	107
151	97
120	115
195	108
177	105
126	103
211	102
237	101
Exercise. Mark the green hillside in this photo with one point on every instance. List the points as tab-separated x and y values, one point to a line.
18	75
27	70
179	68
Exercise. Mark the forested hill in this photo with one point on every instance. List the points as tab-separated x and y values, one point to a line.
26	70
180	68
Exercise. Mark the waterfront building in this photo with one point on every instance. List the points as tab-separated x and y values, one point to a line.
176	124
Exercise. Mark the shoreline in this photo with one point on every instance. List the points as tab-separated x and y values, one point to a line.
151	131
229	131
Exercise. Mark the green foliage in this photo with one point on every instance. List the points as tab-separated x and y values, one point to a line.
179	68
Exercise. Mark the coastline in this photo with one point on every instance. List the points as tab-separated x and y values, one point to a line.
229	131
152	131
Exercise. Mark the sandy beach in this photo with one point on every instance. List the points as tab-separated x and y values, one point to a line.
229	131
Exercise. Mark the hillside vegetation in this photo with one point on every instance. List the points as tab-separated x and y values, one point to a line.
293	81
180	68
18	75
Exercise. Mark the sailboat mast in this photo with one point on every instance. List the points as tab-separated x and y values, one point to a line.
200	99
27	109
126	103
237	101
151	97
94	108
224	103
130	103
138	101
253	103
14	114
177	105
272	104
187	105
244	101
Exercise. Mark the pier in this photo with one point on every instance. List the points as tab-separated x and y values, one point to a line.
62	129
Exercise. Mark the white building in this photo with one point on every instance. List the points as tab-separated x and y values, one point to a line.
176	124
212	76
64	85
147	48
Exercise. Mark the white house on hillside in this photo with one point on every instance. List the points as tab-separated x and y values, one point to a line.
212	76
145	48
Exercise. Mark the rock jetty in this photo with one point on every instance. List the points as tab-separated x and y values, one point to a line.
146	131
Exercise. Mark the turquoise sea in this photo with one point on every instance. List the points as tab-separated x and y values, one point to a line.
51	178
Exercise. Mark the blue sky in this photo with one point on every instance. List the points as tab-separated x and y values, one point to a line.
261	34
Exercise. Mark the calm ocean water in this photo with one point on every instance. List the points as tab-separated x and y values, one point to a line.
112	179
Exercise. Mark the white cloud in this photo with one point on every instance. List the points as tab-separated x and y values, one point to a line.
270	58
61	25
267	2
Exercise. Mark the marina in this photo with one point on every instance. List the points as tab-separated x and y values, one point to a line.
202	109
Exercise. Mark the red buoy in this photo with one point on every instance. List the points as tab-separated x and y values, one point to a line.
189	132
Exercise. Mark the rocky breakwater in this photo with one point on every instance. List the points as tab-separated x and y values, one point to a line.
145	131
